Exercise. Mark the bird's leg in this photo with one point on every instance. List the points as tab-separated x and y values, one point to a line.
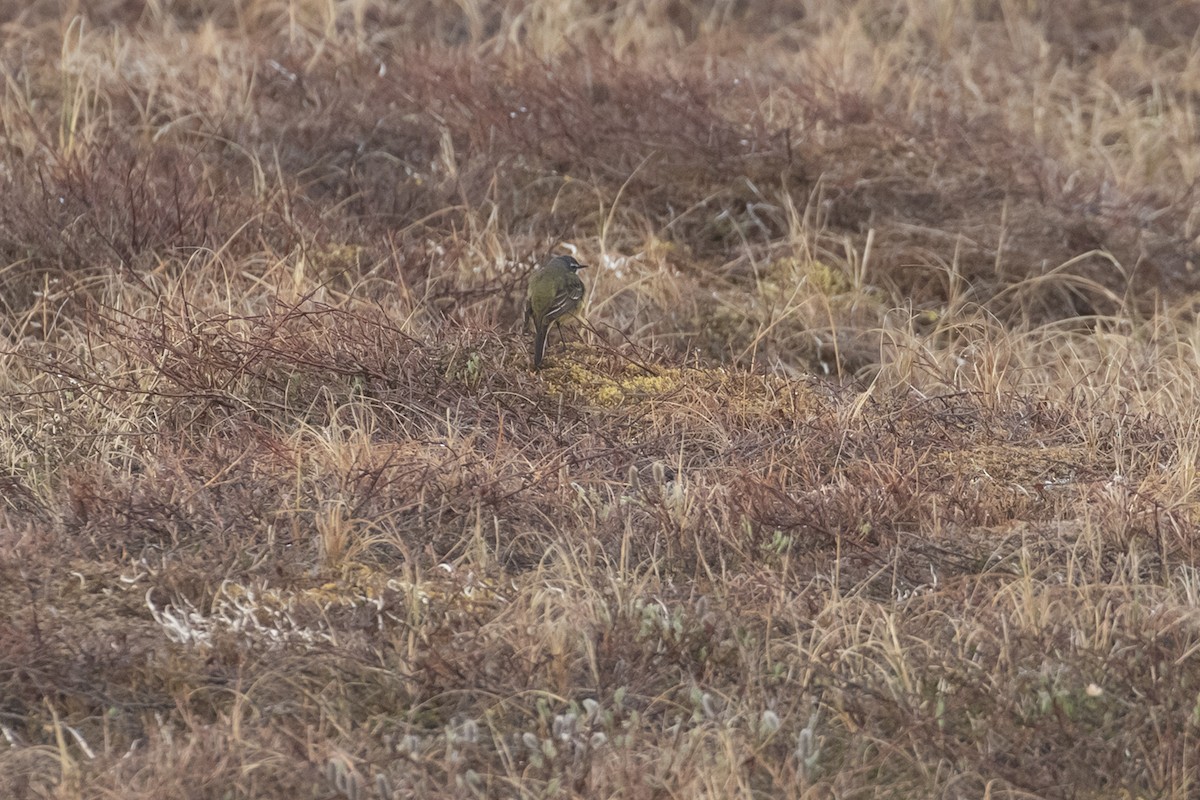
562	336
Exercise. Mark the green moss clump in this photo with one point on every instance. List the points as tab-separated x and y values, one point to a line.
597	388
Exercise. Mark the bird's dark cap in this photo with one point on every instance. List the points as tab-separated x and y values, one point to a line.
570	263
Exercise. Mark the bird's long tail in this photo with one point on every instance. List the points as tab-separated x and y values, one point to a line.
539	343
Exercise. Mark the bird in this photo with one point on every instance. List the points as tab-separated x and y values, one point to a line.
555	291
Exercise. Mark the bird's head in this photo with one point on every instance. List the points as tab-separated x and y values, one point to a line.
569	262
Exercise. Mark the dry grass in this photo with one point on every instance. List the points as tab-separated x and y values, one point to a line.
873	472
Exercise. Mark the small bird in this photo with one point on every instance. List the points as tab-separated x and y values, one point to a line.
555	291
